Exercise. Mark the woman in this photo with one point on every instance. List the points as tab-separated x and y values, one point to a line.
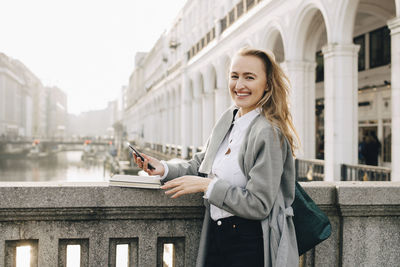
249	169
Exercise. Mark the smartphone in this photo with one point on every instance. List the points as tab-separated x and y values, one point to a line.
141	157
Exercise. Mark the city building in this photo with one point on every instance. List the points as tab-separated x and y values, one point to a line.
94	123
18	89
341	57
27	108
57	113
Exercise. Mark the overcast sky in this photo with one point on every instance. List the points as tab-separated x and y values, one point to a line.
85	47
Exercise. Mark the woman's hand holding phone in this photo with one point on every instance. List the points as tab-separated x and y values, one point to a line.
158	166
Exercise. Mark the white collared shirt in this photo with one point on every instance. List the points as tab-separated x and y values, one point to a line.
226	162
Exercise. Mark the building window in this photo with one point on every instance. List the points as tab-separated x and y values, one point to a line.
239	9
208	37
202	42
198	47
213	33
232	16
360	40
250	4
223	24
188	55
319	75
379	45
319	128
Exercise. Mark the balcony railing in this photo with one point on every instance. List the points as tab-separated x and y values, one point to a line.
305	169
309	170
52	218
364	173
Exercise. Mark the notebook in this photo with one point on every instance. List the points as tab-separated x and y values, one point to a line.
150	182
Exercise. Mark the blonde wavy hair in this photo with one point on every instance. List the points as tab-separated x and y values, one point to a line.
275	102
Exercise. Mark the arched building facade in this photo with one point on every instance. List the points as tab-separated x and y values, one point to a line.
341	57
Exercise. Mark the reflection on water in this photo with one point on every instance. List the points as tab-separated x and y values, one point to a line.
63	166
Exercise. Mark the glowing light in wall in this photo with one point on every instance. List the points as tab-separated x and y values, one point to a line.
168	255
122	255
23	257
73	255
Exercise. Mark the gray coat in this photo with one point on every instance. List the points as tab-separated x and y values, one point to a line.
268	165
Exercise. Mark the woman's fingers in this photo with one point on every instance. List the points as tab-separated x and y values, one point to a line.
176	192
173	190
135	159
146	157
139	162
172	183
182	186
146	165
187	185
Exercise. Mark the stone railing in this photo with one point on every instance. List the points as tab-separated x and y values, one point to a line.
50	216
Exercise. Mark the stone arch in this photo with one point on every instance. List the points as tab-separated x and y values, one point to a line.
376	10
201	84
190	92
245	43
274	40
223	71
196	85
346	16
210	79
169	98
214	77
310	13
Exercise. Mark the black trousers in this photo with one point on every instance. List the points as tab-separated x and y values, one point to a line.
235	242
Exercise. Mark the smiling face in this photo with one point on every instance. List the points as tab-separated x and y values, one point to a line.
247	82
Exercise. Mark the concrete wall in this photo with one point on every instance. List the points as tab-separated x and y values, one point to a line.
50	215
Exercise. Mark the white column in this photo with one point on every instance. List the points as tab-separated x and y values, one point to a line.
341	107
176	137
185	115
157	123
302	103
186	127
309	138
152	124
221	102
394	26
164	129
196	122
208	115
170	126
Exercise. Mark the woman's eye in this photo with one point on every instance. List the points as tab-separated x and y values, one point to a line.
250	77
234	76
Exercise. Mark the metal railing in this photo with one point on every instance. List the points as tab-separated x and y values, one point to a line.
309	170
364	173
305	169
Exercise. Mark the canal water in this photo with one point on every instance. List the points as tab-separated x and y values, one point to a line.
62	166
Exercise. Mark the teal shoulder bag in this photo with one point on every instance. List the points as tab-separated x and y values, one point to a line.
311	224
